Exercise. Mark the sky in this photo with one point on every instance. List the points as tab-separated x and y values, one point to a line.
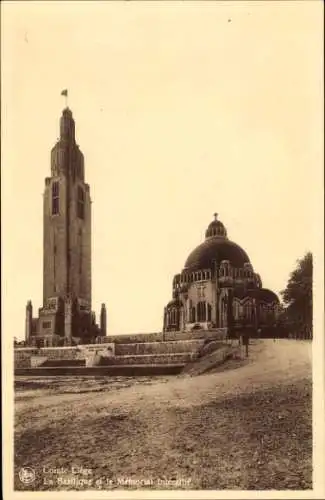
182	109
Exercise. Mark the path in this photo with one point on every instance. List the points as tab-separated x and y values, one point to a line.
244	428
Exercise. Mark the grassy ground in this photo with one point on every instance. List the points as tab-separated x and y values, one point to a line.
246	427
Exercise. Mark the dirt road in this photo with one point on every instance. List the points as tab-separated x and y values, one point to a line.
247	427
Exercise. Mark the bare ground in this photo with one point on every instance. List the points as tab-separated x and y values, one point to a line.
246	427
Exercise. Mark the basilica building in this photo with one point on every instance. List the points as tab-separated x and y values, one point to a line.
218	288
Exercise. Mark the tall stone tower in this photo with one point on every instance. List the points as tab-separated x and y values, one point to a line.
66	311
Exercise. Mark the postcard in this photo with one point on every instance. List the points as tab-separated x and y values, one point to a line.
162	191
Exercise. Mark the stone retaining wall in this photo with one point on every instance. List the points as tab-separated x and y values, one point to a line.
217	333
133	338
136	338
145	359
37	361
211	347
186	346
23	356
181	343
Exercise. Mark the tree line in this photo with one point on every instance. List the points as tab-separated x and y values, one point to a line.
297	297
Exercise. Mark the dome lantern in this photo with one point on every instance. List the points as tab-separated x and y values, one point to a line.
216	229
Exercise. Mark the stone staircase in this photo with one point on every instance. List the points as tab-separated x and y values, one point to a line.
149	357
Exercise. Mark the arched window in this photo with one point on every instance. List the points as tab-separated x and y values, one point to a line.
192	315
201	311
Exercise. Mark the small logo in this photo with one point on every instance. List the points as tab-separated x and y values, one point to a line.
27	475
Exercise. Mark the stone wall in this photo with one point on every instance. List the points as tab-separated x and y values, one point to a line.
211	347
185	346
214	355
22	357
134	338
37	361
217	333
148	359
99	348
178	347
61	352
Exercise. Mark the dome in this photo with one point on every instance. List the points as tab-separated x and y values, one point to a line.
216	248
216	228
203	256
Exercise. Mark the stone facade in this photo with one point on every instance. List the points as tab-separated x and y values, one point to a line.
218	288
66	315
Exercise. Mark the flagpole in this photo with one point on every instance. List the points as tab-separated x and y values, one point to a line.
65	94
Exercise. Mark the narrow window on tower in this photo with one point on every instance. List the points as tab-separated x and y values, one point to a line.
80	254
54	266
81	203
55	198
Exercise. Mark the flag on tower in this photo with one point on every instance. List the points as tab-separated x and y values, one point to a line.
64	92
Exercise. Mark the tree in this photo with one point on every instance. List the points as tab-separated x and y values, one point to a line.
298	298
